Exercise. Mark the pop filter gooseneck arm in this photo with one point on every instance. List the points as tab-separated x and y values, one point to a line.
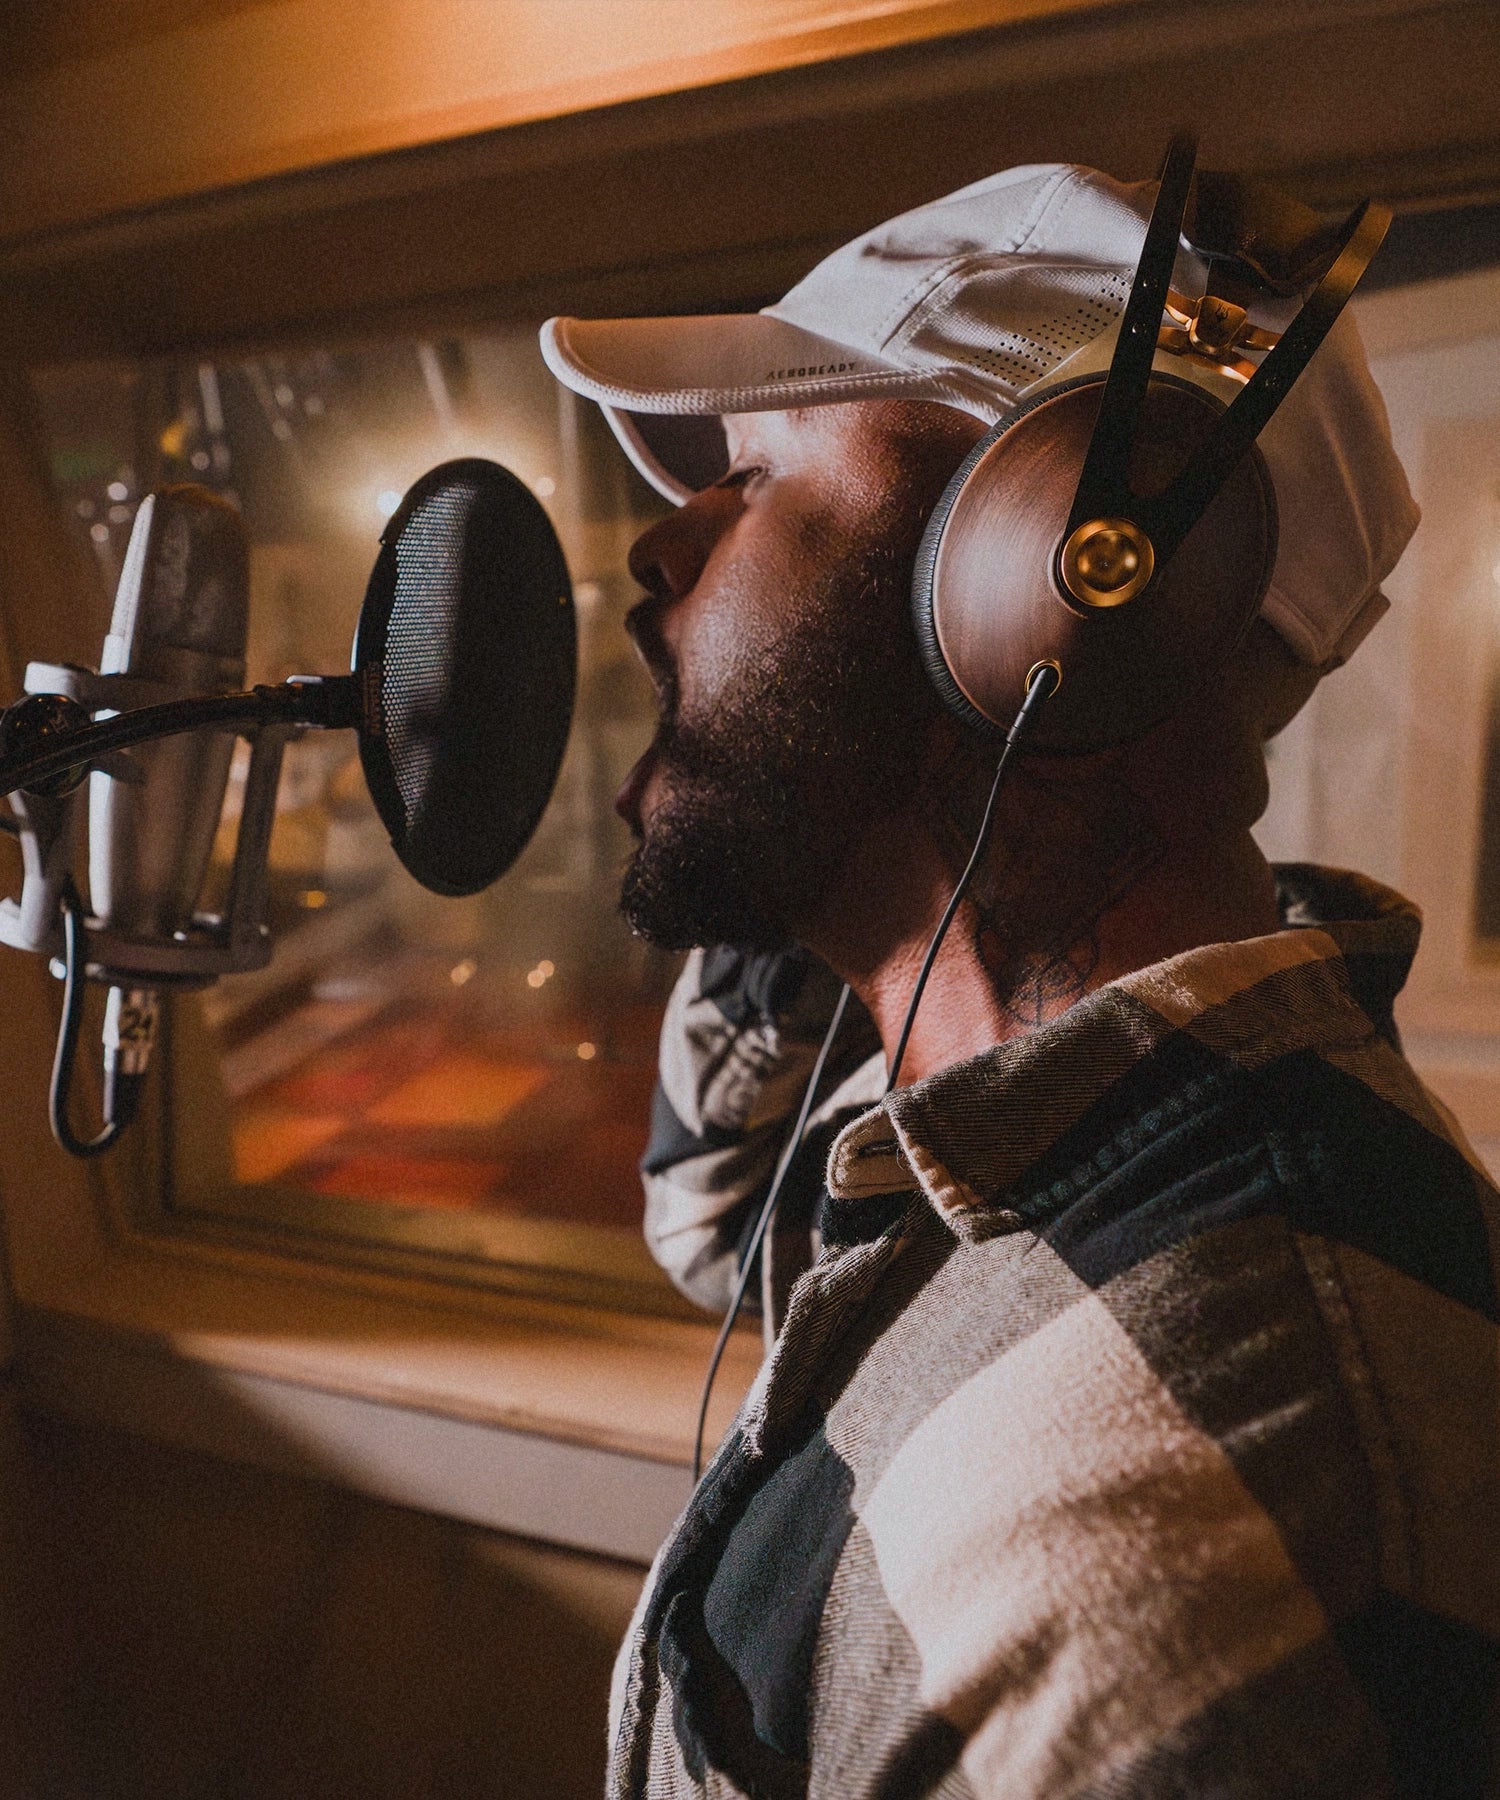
324	700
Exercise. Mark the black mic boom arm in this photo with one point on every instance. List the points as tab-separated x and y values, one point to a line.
49	743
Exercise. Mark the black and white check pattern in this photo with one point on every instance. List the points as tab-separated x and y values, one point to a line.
1137	1431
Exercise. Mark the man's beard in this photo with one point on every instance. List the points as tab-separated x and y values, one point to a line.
761	802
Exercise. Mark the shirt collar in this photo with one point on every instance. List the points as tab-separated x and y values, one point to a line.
967	1134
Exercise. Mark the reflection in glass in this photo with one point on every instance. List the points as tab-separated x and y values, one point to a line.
1487	863
469	1077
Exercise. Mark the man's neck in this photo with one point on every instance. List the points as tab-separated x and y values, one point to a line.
982	991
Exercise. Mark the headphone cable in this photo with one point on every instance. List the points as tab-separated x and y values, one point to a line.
1041	684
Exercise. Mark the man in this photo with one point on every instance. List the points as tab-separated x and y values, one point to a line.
1135	1430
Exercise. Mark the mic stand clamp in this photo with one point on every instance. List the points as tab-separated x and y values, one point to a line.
72	721
213	944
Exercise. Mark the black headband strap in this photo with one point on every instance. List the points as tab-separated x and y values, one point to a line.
1104	490
1171	516
1104	485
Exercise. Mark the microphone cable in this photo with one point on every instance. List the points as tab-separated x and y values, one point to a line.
1042	683
122	1091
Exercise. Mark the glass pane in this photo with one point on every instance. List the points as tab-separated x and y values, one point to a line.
1487	873
466	1077
1487	862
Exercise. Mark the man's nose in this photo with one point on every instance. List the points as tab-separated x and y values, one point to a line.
668	557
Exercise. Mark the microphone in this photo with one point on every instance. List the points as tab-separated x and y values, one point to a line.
181	617
464	672
177	633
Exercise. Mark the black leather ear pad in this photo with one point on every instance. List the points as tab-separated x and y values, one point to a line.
933	659
986	606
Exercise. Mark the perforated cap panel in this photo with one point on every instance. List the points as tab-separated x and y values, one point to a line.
467	648
1015	344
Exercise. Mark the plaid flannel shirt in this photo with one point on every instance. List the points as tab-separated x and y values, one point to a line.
1137	1431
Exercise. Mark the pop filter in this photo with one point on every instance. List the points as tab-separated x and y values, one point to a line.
466	655
464	663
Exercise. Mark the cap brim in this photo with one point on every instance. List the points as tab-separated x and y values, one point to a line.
719	363
660	381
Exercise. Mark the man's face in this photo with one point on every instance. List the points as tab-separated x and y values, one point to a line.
776	626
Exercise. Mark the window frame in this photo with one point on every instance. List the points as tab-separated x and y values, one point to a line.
566	1414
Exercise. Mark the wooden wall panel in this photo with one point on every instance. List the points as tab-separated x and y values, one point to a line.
723	195
179	1628
168	98
38	1634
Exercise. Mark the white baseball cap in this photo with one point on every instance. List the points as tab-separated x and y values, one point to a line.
981	301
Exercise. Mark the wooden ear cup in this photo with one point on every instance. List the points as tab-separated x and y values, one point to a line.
990	600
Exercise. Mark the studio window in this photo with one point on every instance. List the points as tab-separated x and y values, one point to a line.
465	1082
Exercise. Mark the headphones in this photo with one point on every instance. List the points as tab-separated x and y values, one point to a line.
1119	528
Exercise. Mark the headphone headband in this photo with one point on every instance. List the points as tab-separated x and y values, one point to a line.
1131	540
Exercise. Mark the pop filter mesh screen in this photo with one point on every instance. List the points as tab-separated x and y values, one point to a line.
467	652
